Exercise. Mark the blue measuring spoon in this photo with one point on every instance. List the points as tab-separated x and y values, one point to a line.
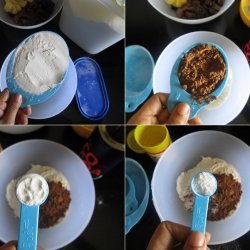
201	201
178	94
29	213
131	201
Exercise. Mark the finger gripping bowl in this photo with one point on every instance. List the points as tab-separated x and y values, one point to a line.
29	98
178	94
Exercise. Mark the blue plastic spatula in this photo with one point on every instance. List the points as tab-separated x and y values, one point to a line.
201	201
29	211
178	94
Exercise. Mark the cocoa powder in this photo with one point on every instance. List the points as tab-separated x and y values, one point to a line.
226	199
201	71
56	205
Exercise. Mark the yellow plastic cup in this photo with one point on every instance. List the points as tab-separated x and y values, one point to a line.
132	144
245	11
84	131
152	139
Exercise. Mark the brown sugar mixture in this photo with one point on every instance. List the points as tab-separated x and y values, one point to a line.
56	205
226	198
201	71
196	9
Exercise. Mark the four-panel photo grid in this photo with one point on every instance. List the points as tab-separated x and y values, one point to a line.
124	125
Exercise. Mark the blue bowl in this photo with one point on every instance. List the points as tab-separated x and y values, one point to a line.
28	98
131	200
178	94
139	66
141	185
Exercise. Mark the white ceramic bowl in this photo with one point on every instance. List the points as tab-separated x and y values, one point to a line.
16	160
4	17
15	130
184	154
166	10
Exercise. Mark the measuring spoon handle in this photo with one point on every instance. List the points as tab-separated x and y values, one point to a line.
28	227
199	219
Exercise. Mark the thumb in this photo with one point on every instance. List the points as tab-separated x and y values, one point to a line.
196	241
9	246
12	109
180	114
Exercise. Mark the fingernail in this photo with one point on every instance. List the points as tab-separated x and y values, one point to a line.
208	236
18	98
6	90
196	239
183	109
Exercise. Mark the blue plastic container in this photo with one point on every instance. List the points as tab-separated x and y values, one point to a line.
138	177
28	98
131	201
91	95
138	82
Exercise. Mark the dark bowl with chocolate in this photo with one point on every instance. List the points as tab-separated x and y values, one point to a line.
36	13
195	17
203	71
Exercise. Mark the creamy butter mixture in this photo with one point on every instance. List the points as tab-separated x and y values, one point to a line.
41	62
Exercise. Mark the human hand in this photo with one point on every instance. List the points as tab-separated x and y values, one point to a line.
10	111
169	235
154	111
12	246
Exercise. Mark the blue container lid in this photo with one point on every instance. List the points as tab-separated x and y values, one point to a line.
91	94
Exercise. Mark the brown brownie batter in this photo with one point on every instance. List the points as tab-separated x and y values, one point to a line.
201	71
55	207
